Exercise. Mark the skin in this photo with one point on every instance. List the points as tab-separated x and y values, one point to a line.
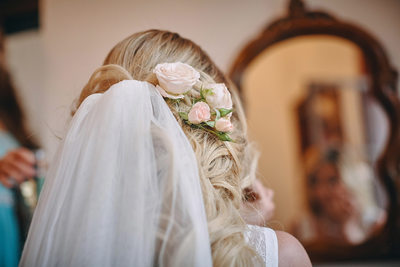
260	209
291	252
17	166
266	202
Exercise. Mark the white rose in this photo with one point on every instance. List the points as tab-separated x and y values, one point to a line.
175	79
224	125
220	96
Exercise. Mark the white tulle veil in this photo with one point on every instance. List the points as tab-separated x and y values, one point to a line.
124	189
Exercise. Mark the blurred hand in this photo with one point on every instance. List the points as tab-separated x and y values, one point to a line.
17	166
342	207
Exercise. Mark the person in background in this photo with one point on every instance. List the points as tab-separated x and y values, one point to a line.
17	164
336	215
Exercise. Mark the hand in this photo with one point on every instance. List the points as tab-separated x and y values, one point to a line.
17	166
343	206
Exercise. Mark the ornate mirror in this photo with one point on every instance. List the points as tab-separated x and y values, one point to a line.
320	97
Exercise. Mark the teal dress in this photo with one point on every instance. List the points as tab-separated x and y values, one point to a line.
10	244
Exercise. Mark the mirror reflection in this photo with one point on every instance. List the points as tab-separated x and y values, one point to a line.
320	136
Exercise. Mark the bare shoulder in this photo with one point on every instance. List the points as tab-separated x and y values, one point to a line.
291	252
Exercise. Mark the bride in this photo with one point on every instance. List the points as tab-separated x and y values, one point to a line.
152	169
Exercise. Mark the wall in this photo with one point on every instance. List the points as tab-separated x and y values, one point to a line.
78	35
51	66
25	59
75	36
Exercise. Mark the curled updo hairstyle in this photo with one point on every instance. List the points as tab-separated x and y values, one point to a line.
225	167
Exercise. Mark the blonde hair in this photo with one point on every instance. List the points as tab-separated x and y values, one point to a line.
225	168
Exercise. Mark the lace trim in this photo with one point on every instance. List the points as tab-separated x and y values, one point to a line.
257	240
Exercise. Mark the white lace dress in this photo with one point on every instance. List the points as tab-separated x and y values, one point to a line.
265	242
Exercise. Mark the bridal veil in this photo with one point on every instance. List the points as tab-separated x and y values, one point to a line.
123	190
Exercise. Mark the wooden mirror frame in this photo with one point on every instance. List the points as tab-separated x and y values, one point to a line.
301	22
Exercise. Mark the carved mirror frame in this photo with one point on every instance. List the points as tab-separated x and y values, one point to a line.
301	22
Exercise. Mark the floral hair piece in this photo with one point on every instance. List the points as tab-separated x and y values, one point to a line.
211	110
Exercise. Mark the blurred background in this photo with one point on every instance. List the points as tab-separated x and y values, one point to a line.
53	60
53	46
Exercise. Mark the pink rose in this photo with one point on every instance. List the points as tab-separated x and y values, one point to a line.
224	125
199	113
175	79
220	96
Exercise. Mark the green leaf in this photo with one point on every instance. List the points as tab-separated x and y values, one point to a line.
184	116
210	123
223	136
174	101
195	100
224	111
208	92
218	115
205	92
195	126
202	93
